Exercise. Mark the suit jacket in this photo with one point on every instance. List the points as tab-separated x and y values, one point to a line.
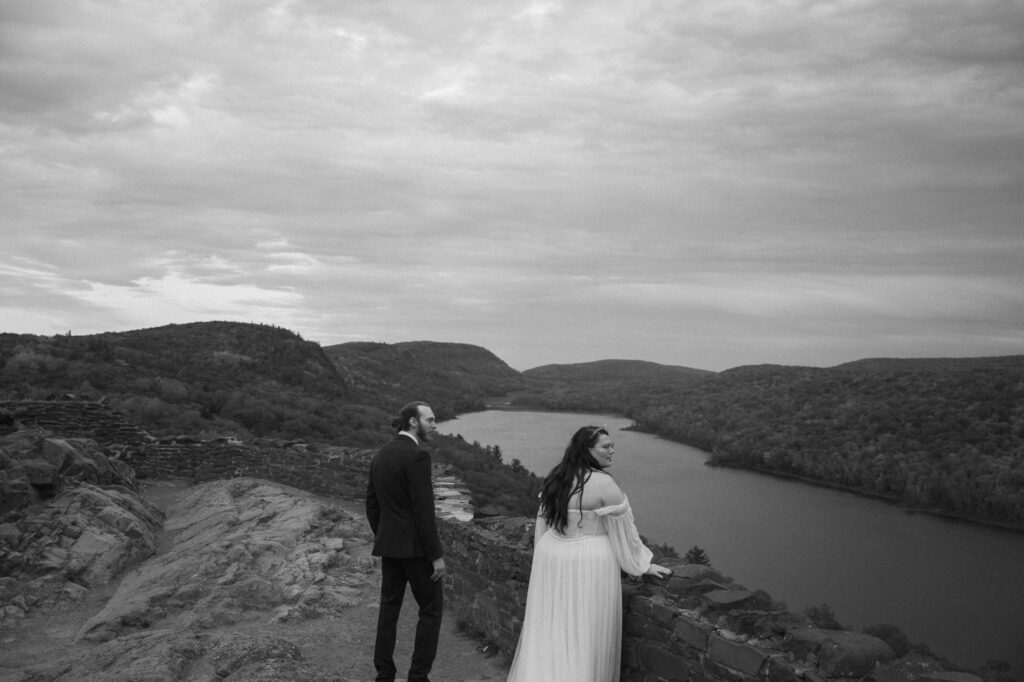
400	502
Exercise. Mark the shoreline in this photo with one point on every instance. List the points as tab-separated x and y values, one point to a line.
895	501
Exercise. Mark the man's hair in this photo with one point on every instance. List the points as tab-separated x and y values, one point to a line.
408	412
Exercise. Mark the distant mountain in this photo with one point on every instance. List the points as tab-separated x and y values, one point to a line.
613	386
452	377
616	370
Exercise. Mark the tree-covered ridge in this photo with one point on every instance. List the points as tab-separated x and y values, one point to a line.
939	434
200	378
945	435
453	377
257	381
610	386
616	370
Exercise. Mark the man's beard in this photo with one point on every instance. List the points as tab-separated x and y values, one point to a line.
422	433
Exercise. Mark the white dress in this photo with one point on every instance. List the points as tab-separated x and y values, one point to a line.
572	631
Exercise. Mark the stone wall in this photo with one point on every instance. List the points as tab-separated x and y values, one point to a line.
326	470
329	471
76	419
488	567
697	625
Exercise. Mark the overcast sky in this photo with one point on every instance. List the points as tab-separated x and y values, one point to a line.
708	183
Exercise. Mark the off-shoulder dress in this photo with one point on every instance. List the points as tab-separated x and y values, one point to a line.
572	631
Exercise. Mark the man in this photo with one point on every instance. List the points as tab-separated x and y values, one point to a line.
400	508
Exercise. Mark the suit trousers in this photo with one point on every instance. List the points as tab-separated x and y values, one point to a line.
395	575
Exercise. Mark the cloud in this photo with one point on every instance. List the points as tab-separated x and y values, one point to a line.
828	178
173	298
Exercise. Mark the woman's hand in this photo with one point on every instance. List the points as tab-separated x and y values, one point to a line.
658	571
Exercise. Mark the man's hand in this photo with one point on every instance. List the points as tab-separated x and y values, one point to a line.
438	569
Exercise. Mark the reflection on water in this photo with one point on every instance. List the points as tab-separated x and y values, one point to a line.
955	586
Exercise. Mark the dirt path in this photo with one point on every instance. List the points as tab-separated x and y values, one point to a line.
341	644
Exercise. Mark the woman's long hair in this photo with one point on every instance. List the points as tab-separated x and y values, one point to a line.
569	476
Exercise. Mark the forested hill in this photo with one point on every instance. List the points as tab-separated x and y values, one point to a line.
199	378
605	385
939	434
251	379
209	379
453	377
616	370
945	435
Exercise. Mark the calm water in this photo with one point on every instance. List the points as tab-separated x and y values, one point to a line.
957	587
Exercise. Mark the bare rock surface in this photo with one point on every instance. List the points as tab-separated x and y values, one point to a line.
84	538
251	581
241	544
35	465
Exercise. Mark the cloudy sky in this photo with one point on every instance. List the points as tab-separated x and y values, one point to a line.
708	183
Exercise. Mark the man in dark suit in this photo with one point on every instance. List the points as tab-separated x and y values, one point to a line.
400	508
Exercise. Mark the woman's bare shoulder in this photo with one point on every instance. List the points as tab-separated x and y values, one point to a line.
606	488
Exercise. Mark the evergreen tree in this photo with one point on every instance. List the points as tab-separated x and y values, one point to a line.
696	555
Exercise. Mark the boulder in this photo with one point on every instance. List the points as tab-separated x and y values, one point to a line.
728	598
55	451
34	467
15	490
839	653
9	535
39	472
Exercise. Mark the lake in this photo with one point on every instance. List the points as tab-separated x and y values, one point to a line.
953	585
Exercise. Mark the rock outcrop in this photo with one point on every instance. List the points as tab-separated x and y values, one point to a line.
70	520
35	466
241	545
236	561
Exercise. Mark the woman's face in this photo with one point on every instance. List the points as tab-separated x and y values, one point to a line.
603	450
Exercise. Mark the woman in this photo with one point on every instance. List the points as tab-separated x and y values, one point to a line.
585	534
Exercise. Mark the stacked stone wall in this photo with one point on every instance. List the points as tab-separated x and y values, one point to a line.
698	625
488	567
330	471
338	471
76	419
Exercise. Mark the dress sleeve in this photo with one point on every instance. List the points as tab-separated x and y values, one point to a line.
630	552
540	527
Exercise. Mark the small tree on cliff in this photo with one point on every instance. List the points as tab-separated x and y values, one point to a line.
696	555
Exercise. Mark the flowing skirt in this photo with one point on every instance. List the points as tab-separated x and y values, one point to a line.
572	631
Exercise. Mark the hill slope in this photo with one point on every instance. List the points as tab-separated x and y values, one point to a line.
605	385
452	377
945	435
616	370
223	378
252	380
200	378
